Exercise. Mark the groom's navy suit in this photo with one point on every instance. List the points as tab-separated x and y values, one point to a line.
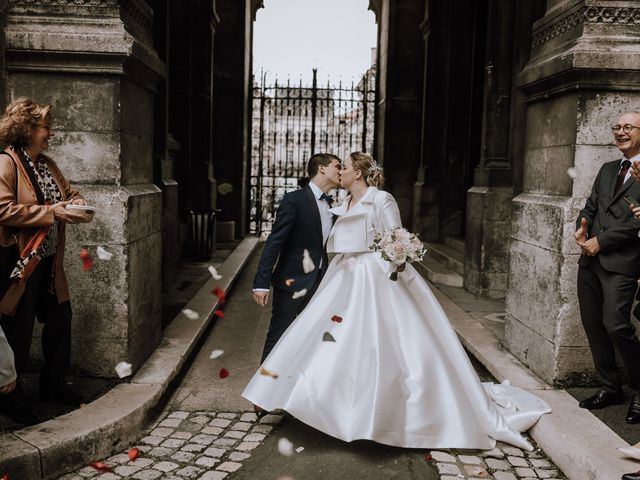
607	282
297	227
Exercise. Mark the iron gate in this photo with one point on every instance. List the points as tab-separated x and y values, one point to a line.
291	123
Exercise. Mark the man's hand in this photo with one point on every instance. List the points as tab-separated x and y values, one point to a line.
635	170
591	247
581	233
8	387
635	210
261	298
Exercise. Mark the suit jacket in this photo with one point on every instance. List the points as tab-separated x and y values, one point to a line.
297	227
611	221
7	367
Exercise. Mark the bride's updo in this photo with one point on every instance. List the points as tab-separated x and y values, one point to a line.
371	171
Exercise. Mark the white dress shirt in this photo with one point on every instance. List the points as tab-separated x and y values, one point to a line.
326	217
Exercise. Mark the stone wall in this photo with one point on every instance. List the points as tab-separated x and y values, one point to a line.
94	62
582	75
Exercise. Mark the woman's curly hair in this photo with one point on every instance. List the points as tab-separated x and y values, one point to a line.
20	120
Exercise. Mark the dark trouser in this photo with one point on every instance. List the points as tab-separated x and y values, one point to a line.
38	301
605	305
284	311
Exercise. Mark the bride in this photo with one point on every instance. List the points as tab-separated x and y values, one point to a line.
370	358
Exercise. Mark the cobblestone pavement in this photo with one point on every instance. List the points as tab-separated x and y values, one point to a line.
212	446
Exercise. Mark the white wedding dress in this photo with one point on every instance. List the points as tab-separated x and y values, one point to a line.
396	372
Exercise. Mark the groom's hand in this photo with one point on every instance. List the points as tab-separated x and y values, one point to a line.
261	298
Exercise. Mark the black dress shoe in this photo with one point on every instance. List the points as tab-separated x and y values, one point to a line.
631	476
21	414
260	412
633	414
603	399
62	395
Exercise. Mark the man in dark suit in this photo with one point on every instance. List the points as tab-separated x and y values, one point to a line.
303	222
609	267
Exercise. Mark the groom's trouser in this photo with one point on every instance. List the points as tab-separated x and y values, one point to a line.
605	300
284	311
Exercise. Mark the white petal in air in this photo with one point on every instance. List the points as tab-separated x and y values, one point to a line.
123	369
215	354
103	254
299	294
571	172
307	263
285	447
299	449
214	273
190	314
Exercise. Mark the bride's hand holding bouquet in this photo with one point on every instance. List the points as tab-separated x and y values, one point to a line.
398	246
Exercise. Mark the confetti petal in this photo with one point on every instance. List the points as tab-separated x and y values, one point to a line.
214	272
133	454
218	292
224	373
123	369
285	447
299	449
428	457
327	337
87	261
190	314
336	318
477	471
572	172
268	373
101	466
103	254
307	263
289	281
299	294
219	313
215	354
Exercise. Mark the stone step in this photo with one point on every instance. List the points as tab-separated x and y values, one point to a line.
436	272
448	256
455	243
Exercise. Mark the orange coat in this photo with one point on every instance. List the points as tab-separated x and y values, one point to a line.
21	216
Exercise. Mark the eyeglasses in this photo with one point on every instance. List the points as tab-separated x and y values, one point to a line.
625	128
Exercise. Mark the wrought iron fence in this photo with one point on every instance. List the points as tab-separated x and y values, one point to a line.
292	122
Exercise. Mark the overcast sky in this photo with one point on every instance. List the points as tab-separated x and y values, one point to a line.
293	36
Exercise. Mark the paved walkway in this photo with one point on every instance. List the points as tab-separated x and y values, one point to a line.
207	432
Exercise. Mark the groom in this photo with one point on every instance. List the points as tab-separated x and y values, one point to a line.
303	222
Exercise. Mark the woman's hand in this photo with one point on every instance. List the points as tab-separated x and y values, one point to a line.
61	213
401	267
8	388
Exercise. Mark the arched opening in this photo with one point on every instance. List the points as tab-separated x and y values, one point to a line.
313	90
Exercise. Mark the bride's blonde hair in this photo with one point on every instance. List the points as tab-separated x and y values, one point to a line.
371	171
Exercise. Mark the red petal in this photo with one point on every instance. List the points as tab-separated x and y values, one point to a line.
103	467
336	318
87	261
289	281
428	457
133	453
219	313
218	292
224	373
5	476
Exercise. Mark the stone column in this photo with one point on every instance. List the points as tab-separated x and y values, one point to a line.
399	105
489	200
583	73
94	62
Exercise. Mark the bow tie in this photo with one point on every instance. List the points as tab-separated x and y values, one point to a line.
327	198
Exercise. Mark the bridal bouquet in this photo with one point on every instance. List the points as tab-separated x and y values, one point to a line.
398	246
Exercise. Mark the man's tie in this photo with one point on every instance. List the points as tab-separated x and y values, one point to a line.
329	198
623	173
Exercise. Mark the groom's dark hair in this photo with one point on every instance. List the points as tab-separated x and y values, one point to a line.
320	159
